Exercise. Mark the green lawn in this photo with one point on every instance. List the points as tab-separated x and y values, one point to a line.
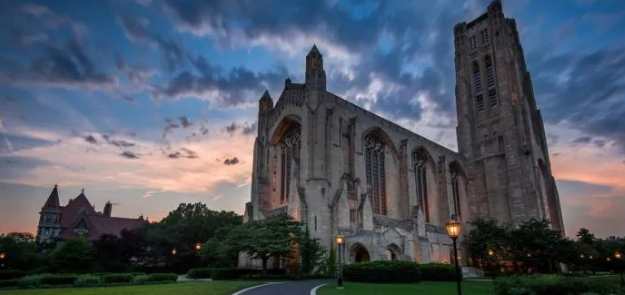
428	288
194	288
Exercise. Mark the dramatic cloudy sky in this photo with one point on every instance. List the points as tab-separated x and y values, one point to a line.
152	103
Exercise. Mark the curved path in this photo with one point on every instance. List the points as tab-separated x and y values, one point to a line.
283	288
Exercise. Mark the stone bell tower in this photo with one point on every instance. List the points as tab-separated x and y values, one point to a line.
500	128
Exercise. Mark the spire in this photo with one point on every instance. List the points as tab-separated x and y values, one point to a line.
315	75
314	51
266	102
53	199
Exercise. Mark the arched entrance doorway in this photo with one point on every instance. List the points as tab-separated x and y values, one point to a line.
359	253
392	252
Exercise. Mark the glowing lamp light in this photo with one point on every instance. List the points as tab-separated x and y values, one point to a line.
608	259
340	239
618	255
173	252
453	228
491	252
3	256
198	247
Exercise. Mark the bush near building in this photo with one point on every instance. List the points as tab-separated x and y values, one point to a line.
554	284
383	272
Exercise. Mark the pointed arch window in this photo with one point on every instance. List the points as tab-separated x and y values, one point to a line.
455	190
375	171
419	158
289	154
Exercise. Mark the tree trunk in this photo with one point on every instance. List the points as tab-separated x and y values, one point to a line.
265	264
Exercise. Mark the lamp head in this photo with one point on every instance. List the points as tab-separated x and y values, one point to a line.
340	239
453	228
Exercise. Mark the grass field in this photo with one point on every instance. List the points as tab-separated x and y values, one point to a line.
429	288
195	288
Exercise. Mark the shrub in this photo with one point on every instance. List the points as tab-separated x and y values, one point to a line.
11	274
231	273
437	272
225	273
9	283
383	272
155	277
53	279
117	278
88	280
33	281
550	285
200	273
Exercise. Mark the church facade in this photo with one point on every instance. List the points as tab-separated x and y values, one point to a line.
341	169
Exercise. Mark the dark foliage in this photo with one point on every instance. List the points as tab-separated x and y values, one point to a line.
117	278
383	272
437	272
551	285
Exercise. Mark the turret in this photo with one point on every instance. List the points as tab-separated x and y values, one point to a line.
315	75
265	103
50	218
53	199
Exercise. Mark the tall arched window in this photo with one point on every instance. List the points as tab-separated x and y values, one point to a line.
376	176
419	159
289	154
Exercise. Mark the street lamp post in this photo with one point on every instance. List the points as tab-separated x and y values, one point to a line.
453	230
340	244
619	256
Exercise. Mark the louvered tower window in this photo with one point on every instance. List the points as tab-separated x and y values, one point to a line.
490	81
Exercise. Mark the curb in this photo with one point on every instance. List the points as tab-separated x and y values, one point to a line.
254	287
314	290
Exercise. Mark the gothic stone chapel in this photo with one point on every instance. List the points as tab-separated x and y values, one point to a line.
341	169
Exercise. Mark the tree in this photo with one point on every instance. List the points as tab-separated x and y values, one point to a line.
272	237
183	229
311	252
75	255
20	251
487	243
536	245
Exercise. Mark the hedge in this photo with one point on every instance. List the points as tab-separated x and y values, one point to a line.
35	281
225	273
88	280
155	277
383	272
117	278
200	273
9	283
437	272
11	274
551	285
